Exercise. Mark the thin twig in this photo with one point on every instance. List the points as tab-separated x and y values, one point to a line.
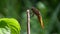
28	22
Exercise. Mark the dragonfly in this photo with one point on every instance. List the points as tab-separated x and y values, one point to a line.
38	14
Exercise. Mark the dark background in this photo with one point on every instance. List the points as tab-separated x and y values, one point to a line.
50	11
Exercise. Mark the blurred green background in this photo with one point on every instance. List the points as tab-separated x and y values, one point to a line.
50	11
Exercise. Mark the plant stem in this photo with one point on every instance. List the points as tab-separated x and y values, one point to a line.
28	22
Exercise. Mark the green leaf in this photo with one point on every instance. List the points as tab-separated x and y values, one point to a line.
42	7
9	26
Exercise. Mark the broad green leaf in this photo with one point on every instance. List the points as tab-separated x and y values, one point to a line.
9	26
